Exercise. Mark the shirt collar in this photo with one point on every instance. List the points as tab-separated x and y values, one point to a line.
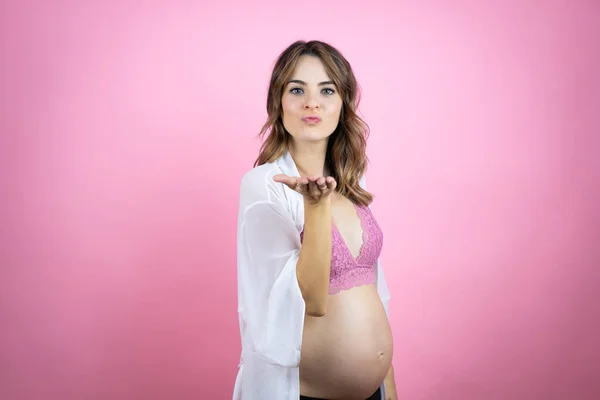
287	164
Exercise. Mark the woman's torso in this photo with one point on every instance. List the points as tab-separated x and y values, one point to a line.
346	354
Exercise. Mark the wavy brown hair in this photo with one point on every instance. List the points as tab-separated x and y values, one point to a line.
346	156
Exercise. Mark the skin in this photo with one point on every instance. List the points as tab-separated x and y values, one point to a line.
311	92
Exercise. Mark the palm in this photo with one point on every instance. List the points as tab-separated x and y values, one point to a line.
314	189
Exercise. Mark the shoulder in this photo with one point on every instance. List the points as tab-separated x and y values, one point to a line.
257	185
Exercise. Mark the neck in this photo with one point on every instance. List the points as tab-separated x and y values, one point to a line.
309	158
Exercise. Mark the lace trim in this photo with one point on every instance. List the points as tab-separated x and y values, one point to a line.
346	271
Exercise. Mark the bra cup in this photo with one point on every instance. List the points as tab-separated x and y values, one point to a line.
347	272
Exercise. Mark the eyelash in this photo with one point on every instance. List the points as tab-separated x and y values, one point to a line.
331	91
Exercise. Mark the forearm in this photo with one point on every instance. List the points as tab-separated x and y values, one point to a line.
314	262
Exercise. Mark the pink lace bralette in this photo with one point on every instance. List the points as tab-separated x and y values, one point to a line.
346	271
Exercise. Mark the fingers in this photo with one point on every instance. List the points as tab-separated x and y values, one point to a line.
282	178
331	183
301	184
326	184
313	187
293	183
322	183
314	191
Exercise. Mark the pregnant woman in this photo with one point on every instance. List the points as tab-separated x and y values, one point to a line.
312	297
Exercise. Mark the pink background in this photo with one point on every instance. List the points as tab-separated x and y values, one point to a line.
126	127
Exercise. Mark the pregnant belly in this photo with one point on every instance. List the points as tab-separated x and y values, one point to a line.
347	353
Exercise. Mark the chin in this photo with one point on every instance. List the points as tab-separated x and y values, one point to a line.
313	138
313	135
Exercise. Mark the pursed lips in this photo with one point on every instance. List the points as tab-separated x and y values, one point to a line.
311	119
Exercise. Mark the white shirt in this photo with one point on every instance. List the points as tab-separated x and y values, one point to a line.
270	304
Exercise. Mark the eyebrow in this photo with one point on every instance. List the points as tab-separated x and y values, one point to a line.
304	83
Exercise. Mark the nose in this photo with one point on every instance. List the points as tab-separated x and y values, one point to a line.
311	102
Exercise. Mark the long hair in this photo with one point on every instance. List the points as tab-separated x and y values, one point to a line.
346	156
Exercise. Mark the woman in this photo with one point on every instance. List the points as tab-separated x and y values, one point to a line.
312	297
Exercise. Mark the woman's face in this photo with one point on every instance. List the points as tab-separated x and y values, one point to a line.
311	104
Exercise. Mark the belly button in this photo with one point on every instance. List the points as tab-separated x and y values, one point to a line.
380	355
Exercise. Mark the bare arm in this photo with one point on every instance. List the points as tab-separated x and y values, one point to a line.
315	257
390	385
314	260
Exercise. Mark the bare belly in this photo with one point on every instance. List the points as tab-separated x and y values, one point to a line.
347	353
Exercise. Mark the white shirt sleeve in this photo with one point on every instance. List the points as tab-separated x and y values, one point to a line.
271	303
382	287
272	297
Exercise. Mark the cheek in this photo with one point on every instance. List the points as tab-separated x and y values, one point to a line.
336	108
288	104
287	112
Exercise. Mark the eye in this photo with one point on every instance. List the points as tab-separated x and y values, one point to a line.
328	91
296	90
